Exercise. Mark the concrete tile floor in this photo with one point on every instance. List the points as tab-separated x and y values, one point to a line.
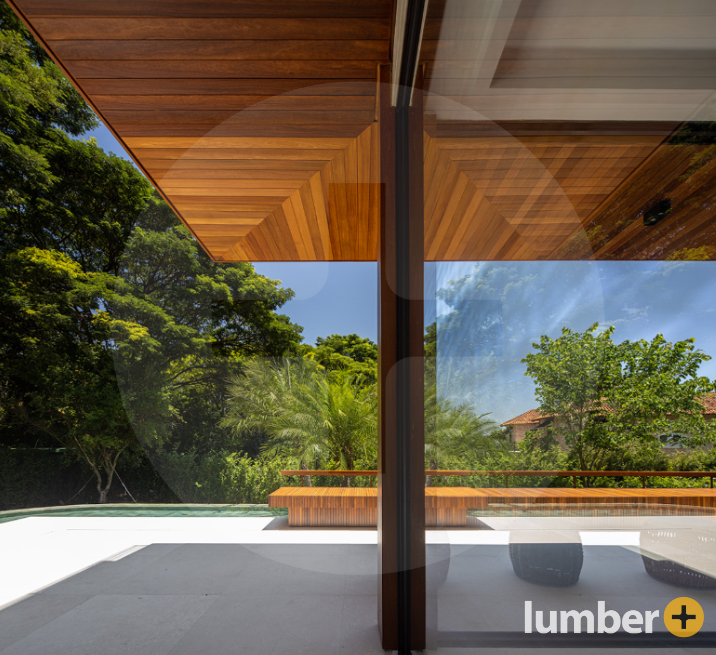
275	598
201	598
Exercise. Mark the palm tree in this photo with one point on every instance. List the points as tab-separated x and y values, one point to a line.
306	414
453	432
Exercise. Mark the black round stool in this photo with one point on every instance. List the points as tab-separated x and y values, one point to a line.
548	565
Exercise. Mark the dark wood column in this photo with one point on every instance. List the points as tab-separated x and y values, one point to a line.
401	438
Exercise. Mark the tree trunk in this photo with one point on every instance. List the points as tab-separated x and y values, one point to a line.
109	464
102	491
306	478
346	482
429	478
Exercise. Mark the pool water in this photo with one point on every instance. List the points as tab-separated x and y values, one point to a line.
134	510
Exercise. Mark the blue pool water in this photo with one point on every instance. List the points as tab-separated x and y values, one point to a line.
134	510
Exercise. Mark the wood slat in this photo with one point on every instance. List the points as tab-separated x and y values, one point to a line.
83	69
237	86
532	192
686	174
221	49
313	28
203	9
263	103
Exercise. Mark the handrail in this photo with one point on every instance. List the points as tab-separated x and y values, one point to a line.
543	474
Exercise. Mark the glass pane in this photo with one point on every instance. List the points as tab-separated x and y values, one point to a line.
569	212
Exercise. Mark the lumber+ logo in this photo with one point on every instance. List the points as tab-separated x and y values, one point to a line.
682	617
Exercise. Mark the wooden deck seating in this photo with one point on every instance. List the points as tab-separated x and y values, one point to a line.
447	506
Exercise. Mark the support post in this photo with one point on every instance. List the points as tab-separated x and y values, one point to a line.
401	438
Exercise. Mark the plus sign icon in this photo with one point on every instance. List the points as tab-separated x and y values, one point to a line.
683	617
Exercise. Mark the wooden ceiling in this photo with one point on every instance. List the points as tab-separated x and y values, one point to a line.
272	198
257	122
549	126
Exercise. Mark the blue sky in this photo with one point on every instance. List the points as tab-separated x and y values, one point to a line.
331	298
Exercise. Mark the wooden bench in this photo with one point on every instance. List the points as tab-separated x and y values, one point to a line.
447	506
358	506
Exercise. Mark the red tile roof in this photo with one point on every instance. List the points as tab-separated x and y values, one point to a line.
534	416
709	402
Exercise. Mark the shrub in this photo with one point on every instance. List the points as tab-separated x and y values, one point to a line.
222	477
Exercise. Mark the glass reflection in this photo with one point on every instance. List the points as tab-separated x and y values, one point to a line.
569	214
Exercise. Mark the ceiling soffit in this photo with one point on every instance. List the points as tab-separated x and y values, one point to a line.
256	121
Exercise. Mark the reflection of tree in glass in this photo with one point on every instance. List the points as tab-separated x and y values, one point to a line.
495	313
607	398
455	433
682	171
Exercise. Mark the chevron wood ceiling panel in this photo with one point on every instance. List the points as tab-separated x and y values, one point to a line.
272	199
254	120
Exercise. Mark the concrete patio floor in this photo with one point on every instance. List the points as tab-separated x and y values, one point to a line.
184	586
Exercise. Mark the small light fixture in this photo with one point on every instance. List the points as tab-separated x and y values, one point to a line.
660	210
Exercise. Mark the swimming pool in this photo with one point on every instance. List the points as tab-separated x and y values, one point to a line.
152	510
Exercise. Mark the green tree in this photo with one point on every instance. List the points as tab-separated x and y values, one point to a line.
56	366
455	433
164	334
185	324
306	414
66	210
605	398
352	354
57	192
97	277
431	340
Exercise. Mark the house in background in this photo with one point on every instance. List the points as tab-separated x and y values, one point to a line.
533	420
518	427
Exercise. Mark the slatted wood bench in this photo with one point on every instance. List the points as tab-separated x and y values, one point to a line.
358	506
447	506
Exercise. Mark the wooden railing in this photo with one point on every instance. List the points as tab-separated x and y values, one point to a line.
542	474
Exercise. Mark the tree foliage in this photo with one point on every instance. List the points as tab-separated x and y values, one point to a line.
57	192
455	433
99	282
606	398
308	415
58	375
345	354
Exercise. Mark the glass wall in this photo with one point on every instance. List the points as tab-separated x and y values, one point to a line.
569	212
